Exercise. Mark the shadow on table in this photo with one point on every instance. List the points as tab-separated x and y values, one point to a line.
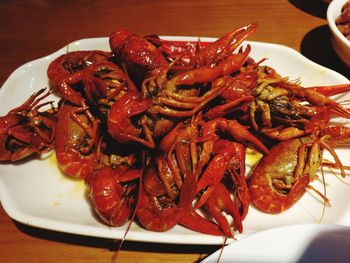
316	46
313	7
112	245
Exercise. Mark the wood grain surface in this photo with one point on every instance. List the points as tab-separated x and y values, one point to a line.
33	29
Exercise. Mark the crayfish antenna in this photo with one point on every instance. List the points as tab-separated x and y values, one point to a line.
115	255
221	250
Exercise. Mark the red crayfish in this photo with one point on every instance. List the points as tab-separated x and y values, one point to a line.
283	175
159	131
26	130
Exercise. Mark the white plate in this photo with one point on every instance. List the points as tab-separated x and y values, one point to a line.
37	194
301	243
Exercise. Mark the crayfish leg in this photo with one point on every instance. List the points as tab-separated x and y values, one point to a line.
195	222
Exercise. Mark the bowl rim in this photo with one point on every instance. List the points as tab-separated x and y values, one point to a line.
333	11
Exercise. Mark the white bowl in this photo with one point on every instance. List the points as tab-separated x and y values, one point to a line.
340	43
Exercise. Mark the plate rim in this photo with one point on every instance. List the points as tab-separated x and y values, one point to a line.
19	216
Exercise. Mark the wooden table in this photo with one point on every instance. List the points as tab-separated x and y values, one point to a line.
33	29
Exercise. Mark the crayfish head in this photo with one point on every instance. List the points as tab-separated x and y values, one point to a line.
117	38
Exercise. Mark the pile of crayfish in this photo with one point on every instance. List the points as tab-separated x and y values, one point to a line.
159	131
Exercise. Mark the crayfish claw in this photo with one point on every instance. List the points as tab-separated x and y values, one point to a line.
219	202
